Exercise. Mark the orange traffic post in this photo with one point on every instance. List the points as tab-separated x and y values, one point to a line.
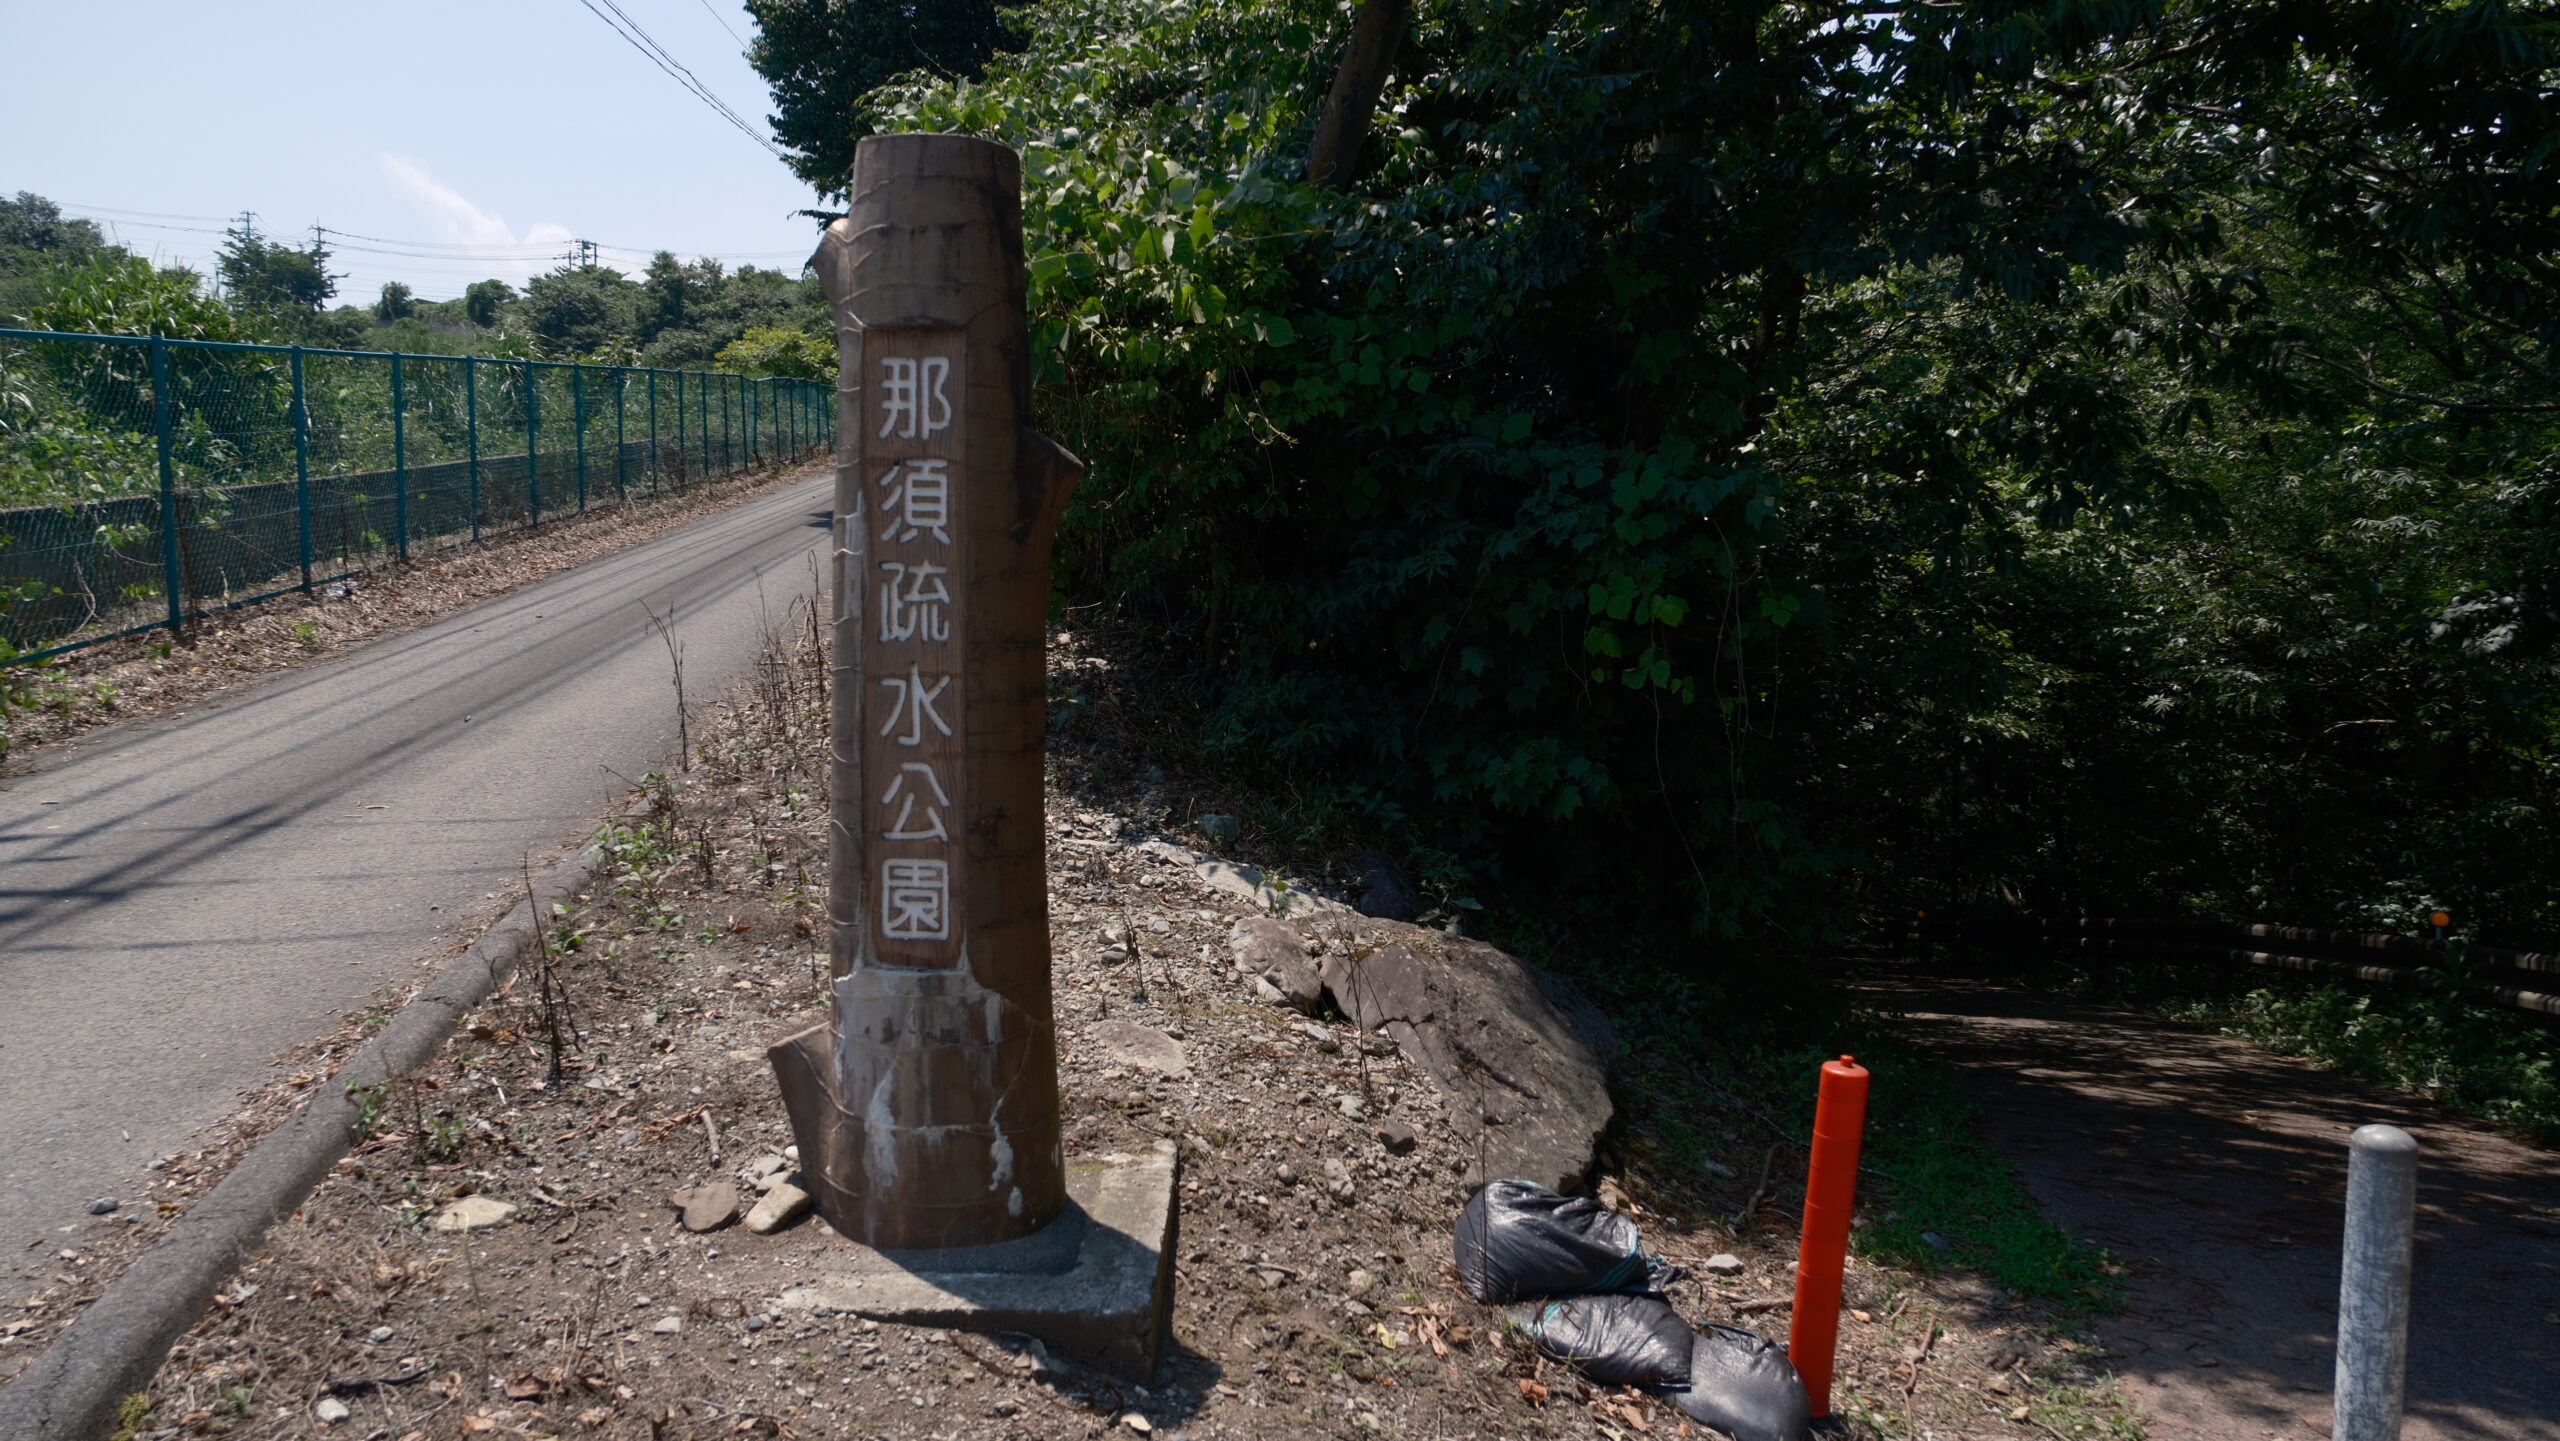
1830	1192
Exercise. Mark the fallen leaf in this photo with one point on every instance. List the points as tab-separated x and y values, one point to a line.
525	1388
1532	1392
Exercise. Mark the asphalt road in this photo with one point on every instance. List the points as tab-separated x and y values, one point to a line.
183	898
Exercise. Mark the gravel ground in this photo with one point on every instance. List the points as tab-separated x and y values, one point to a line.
1313	1294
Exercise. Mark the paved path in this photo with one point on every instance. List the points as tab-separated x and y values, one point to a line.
183	898
2217	1170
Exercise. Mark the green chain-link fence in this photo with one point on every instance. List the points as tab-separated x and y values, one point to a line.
146	481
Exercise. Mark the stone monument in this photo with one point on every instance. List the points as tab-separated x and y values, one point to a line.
926	1109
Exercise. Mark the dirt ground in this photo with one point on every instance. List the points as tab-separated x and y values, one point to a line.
1312	1294
2217	1171
136	675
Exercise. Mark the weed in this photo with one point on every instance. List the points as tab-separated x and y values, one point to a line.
309	633
132	1414
442	1137
369	1101
104	695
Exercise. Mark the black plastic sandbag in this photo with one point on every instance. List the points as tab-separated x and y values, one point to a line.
1616	1340
1519	1241
1742	1385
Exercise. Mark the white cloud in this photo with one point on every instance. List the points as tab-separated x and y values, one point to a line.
508	255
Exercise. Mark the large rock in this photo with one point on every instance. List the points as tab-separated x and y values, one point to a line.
1269	950
1528	1075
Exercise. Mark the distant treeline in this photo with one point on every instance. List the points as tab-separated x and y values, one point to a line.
60	272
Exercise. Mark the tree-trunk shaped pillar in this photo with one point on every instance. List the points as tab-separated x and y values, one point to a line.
927	1109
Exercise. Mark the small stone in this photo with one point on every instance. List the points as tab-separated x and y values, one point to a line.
780	1207
1351	1107
1142	1047
1323	1037
1285	1174
755	1322
472	1213
708	1208
1724	1263
1268	993
1004	1407
791	1154
1936	1242
1360	1282
1396	1135
103	1206
1137	1423
1221	830
379	1334
329	1411
669	1326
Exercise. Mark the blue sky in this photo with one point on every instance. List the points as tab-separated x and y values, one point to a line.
480	136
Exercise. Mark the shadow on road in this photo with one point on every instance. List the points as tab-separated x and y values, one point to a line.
2216	1171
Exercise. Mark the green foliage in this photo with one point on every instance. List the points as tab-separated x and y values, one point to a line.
2459	1053
576	308
398	302
774	350
483	300
269	277
821	57
115	293
33	232
1723	451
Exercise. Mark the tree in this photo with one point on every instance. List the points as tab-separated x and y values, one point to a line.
398	302
1376	31
677	295
484	300
578	308
269	277
1728	448
821	57
33	231
775	350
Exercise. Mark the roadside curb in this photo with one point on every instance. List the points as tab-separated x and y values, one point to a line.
70	1393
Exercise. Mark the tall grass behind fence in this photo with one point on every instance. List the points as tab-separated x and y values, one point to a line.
144	482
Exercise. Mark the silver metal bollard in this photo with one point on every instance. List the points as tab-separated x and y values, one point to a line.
2373	1283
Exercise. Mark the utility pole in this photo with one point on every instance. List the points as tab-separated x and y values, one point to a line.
586	254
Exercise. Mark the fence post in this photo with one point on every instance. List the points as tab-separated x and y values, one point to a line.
657	473
621	383
399	461
681	460
302	469
160	425
578	424
471	429
532	450
2373	1283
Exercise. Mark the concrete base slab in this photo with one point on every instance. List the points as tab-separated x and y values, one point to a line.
1095	1285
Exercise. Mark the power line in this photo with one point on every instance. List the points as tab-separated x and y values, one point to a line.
714	14
640	40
